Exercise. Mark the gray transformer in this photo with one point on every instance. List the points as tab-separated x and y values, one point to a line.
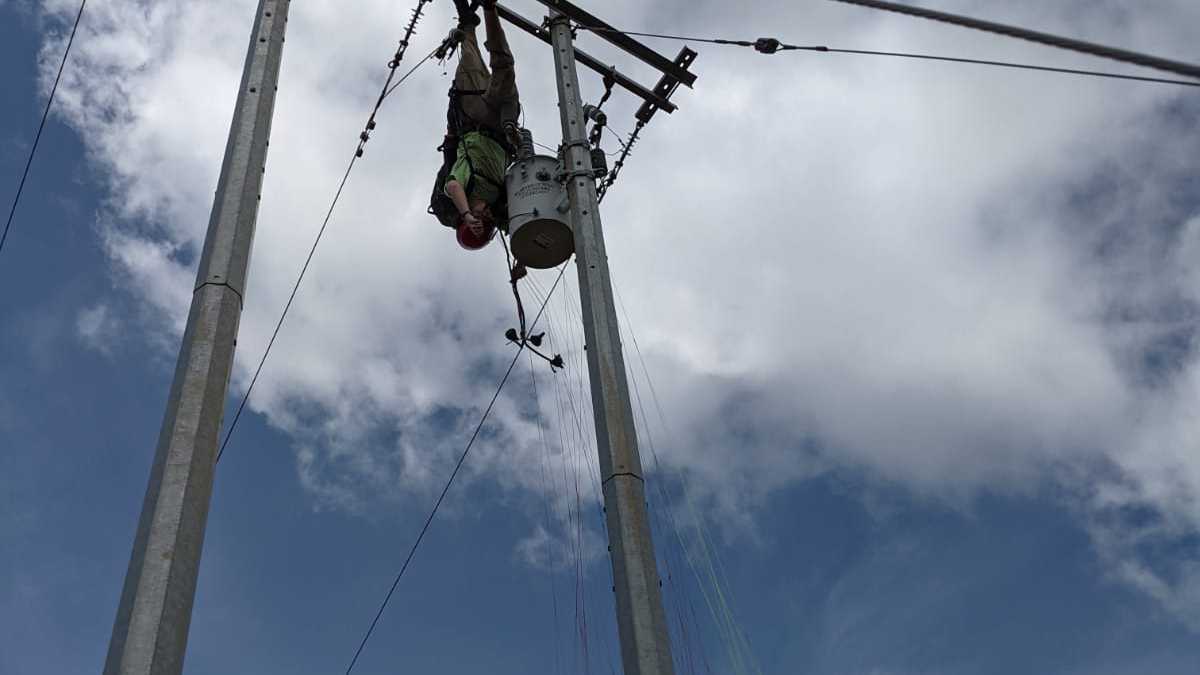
539	221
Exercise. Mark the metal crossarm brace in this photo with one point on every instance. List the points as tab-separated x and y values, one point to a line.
666	85
650	97
635	48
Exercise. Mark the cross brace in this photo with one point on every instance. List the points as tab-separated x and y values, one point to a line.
651	97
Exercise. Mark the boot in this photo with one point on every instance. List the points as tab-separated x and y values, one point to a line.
466	15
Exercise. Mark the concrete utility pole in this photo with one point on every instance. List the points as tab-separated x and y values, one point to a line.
641	621
151	629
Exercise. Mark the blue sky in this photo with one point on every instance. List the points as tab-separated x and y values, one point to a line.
869	520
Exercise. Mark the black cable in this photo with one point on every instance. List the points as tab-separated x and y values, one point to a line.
283	315
715	41
38	137
436	505
1007	64
429	520
412	70
1092	49
771	45
365	136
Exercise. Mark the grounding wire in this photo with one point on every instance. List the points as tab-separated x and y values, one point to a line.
441	497
772	45
41	126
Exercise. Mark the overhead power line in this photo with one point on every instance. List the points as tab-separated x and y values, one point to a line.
38	137
1008	64
768	45
450	481
364	137
1102	51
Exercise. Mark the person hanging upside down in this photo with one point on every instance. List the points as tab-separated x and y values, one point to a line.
482	123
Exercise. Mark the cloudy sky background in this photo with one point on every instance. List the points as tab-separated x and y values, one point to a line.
924	336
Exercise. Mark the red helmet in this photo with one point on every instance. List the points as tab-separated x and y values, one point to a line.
473	242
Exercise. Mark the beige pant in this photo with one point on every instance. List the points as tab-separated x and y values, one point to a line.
499	102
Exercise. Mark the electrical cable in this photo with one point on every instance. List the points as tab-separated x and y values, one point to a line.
1092	49
429	520
286	307
365	136
441	497
772	45
41	126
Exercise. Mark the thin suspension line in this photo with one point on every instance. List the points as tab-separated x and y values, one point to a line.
575	453
1090	48
733	635
537	406
41	126
771	45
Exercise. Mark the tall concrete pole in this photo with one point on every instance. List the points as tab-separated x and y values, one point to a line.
151	629
641	621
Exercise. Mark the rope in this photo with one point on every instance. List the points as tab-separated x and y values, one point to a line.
363	138
773	45
41	126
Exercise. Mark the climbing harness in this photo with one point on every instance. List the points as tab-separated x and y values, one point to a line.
440	205
458	125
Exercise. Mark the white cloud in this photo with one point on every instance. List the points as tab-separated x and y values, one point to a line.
98	328
952	278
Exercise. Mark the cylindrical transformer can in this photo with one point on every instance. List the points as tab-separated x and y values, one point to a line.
539	213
